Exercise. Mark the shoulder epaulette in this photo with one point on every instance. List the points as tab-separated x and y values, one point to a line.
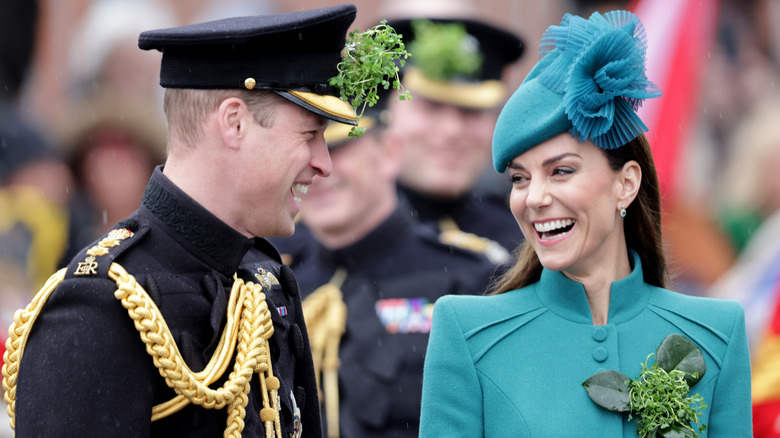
460	239
95	261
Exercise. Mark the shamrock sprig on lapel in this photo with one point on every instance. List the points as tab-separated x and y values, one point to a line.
659	398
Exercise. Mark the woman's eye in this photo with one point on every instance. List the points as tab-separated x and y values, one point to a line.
517	179
562	171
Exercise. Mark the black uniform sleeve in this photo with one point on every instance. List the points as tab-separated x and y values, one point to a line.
85	370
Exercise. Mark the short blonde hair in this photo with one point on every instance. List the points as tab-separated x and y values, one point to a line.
186	109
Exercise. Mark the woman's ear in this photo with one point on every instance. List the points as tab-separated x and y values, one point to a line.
232	118
630	180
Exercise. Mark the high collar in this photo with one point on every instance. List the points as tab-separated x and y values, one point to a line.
567	298
373	246
190	224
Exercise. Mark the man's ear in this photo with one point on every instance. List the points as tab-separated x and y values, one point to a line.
630	179
232	117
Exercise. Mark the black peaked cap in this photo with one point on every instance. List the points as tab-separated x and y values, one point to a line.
294	54
497	46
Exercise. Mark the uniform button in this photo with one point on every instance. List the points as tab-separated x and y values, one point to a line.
600	354
599	334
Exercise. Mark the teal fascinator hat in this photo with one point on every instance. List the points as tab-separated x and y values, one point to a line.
590	81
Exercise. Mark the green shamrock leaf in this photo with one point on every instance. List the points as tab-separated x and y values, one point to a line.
609	389
677	352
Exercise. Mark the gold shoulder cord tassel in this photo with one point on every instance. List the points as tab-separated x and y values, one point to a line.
249	326
326	320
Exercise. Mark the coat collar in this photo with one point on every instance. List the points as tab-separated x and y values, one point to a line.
190	224
567	298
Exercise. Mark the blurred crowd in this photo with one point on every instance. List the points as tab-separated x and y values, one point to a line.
73	164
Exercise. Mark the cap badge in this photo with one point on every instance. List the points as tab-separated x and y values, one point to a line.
267	280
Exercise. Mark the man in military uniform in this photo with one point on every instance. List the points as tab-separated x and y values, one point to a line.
369	278
154	330
455	75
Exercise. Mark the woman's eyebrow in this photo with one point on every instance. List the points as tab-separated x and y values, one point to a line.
545	163
557	158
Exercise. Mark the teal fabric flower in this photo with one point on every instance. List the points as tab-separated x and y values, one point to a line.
605	82
590	81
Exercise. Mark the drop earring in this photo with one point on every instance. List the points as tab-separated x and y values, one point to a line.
622	211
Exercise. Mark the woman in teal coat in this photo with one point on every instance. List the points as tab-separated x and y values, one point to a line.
588	291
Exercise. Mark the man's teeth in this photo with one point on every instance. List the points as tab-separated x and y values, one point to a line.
303	188
546	227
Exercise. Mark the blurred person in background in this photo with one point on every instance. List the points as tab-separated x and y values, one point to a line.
112	145
34	181
707	227
750	193
755	282
18	37
111	128
455	76
103	55
33	210
369	276
749	189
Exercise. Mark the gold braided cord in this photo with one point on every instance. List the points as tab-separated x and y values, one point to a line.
325	314
247	303
17	339
219	361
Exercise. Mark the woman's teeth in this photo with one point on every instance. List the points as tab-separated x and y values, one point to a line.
553	228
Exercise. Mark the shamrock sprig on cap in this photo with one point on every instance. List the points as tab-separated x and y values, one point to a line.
371	59
659	398
444	51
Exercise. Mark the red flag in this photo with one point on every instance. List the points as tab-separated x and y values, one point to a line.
679	35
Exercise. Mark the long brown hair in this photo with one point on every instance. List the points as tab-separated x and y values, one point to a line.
641	226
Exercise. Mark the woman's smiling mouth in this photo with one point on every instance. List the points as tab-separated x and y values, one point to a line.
554	228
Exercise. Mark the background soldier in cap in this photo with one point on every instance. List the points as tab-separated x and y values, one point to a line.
369	276
159	302
455	75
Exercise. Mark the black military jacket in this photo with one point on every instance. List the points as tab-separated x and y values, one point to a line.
85	370
393	277
484	216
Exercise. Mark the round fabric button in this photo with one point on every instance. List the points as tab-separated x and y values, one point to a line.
600	354
599	334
